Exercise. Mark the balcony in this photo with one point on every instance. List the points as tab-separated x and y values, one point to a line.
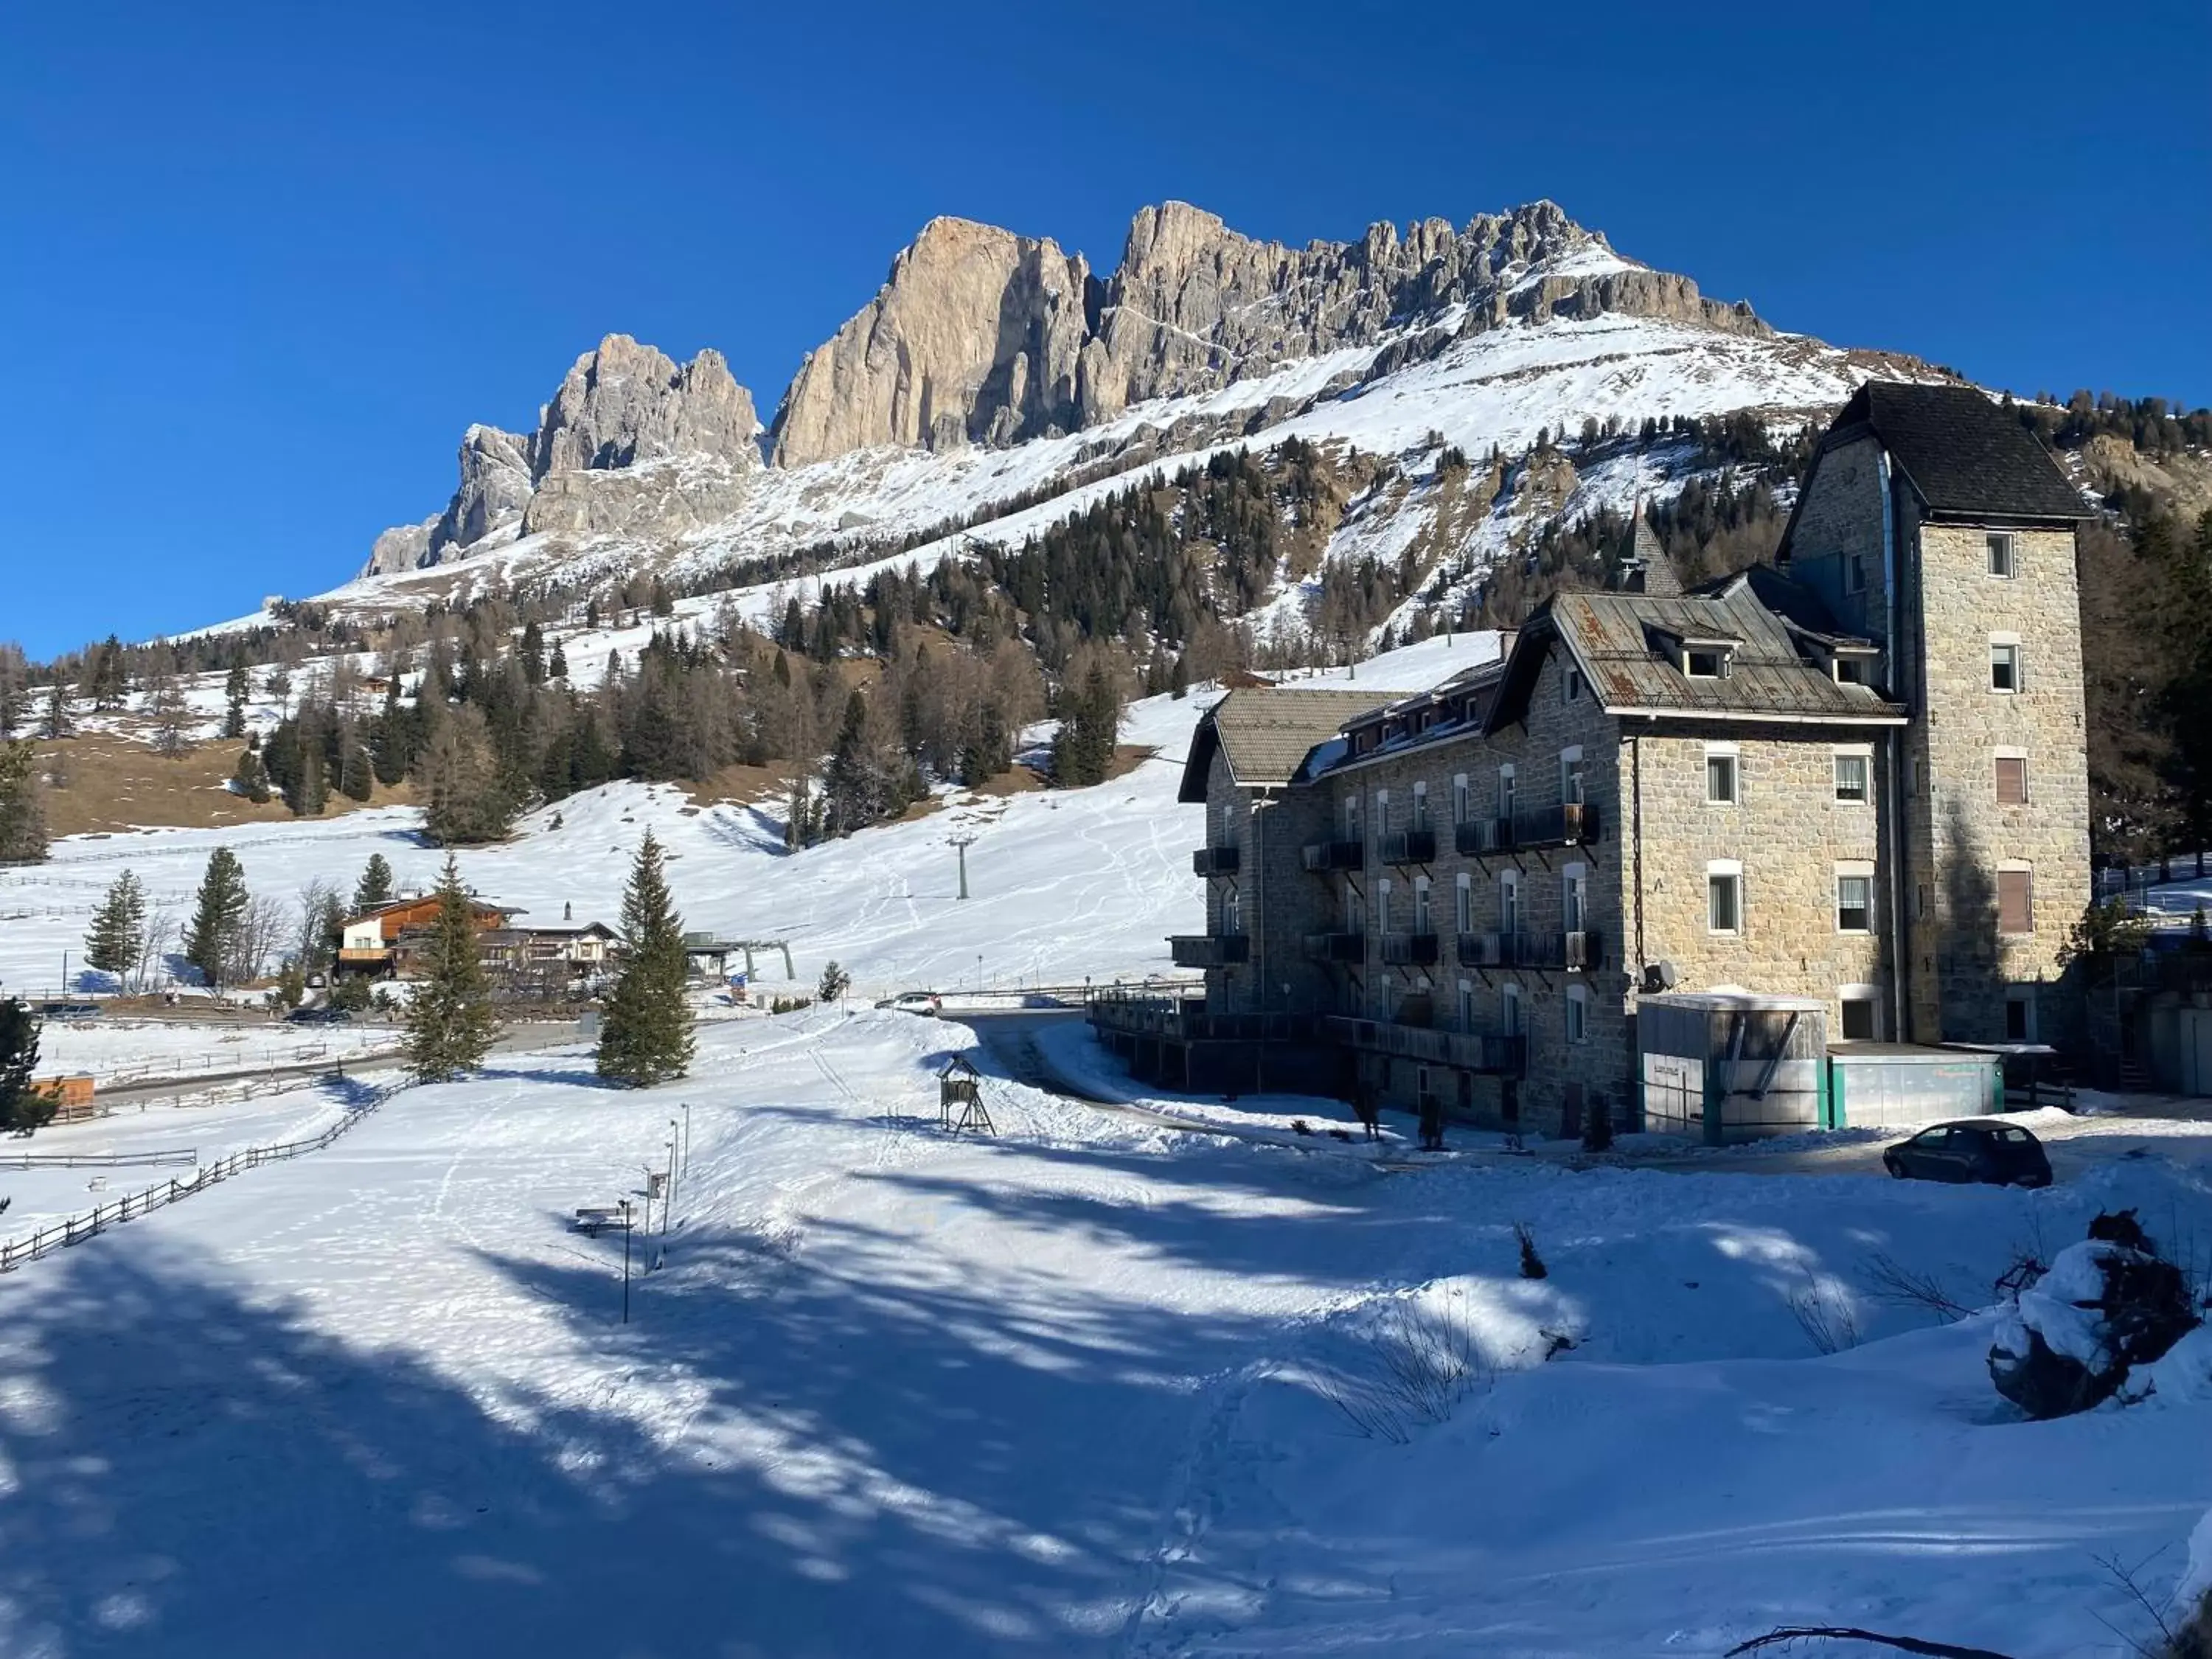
1323	856
1409	950
1472	1051
1337	947
1209	949
1214	861
1552	952
1410	847
1569	824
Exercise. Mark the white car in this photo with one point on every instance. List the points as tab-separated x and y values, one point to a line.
913	1002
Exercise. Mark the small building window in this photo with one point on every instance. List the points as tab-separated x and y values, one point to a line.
1574	903
1421	806
2004	667
1861	1017
2002	562
1854	572
1724	900
1704	664
1421	922
2012	780
1383	905
1851	778
1509	1010
1382	813
1509	901
1232	914
1721	777
1505	791
1460	799
1467	1004
2020	1014
1854	904
1571	776
1570	684
1851	671
1463	903
2015	902
1577	1013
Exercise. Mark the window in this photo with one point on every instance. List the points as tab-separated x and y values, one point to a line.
1382	813
1574	886
2020	1014
1509	902
1720	777
1725	898
1509	1010
2015	902
1383	905
2012	780
1232	914
1351	817
1463	904
1571	776
1577	1013
1851	671
2001	555
1854	904
1704	664
1355	911
1504	792
1421	923
1467	1004
1851	778
2004	667
1458	799
1570	684
1854	572
1421	806
1862	1021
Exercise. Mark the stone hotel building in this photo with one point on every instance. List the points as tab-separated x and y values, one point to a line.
1850	784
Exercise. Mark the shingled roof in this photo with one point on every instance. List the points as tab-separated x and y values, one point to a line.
1967	457
1267	734
1617	639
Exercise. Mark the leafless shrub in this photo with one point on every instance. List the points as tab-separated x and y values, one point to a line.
1787	1635
1888	1279
1423	1361
2191	1639
1372	1415
1532	1265
1825	1314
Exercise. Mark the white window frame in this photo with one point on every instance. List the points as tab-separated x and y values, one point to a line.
1232	912
1855	870
1353	829
1729	870
1383	905
1868	994
1421	806
1577	1013
1855	579
1505	790
1509	901
1463	903
2002	548
1462	798
1571	768
1381	815
1733	754
1574	898
1423	915
1863	754
1464	1009
2006	648
1508	1010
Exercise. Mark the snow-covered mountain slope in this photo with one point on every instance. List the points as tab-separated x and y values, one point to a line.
1065	883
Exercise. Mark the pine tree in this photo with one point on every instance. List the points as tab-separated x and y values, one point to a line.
21	1108
212	937
646	1037
22	805
251	780
557	666
375	887
450	1022
118	935
234	692
58	724
835	981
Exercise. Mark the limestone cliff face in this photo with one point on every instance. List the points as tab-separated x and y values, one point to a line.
982	337
624	403
973	338
622	406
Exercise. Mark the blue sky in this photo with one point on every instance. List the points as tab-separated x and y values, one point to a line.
260	263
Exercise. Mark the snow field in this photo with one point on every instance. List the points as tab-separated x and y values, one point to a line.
1066	1391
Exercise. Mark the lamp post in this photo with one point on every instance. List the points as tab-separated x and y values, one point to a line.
625	1216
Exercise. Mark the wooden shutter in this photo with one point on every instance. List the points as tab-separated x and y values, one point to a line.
2015	902
2012	781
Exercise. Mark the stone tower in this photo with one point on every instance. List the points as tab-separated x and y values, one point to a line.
1934	522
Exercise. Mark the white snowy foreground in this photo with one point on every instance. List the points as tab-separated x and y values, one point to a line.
1062	1392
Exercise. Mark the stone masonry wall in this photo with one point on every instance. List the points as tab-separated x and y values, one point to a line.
1962	965
1841	515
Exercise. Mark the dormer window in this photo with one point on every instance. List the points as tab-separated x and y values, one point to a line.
1704	664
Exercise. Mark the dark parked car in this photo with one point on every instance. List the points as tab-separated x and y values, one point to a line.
1976	1149
319	1017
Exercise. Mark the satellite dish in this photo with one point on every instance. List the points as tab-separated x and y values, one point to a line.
1659	976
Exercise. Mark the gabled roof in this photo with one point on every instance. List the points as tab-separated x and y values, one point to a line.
1966	456
1610	635
1266	733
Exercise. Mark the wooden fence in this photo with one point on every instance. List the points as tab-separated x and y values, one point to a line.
154	1159
75	1230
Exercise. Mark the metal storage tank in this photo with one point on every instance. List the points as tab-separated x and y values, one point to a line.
1724	1066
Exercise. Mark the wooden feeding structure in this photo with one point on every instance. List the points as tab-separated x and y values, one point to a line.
960	1098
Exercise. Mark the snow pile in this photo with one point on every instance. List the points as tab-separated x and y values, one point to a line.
2071	1340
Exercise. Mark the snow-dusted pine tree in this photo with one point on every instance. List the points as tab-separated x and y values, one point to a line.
647	1036
450	1022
